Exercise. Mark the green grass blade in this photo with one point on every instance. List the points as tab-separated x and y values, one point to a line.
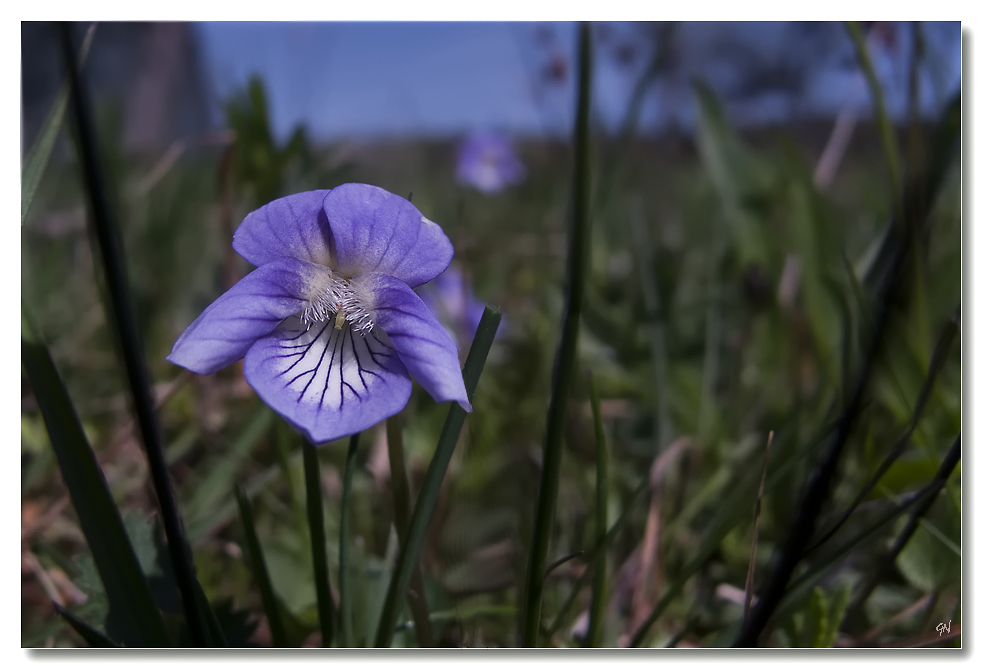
318	543
213	488
599	599
126	586
122	323
938	359
430	491
734	172
260	572
226	511
93	637
345	586
617	157
887	136
577	270
802	585
39	155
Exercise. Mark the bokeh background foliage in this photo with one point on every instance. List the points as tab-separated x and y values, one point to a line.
730	293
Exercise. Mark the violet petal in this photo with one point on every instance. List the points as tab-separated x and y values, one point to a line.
328	382
423	345
376	231
294	226
249	310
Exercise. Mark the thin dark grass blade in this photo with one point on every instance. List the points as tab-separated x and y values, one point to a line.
592	565
802	585
430	491
345	585
749	588
126	586
561	561
617	156
215	635
40	153
872	580
938	359
598	599
259	571
400	506
93	637
656	317
123	324
318	543
564	369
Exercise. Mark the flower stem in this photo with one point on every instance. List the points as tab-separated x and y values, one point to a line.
577	268
400	507
315	521
344	545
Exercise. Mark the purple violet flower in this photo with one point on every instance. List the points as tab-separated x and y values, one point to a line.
328	323
487	161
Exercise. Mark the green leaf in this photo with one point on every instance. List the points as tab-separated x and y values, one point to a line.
816	625
129	594
816	615
837	611
928	561
93	637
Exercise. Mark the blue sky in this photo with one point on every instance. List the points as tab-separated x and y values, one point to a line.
380	78
350	79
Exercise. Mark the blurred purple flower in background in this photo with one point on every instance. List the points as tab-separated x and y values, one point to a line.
486	161
450	299
328	323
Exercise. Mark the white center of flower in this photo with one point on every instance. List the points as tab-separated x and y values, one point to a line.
337	297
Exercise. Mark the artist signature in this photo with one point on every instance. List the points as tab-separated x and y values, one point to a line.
943	628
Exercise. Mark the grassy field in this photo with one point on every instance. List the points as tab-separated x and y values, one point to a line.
727	297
